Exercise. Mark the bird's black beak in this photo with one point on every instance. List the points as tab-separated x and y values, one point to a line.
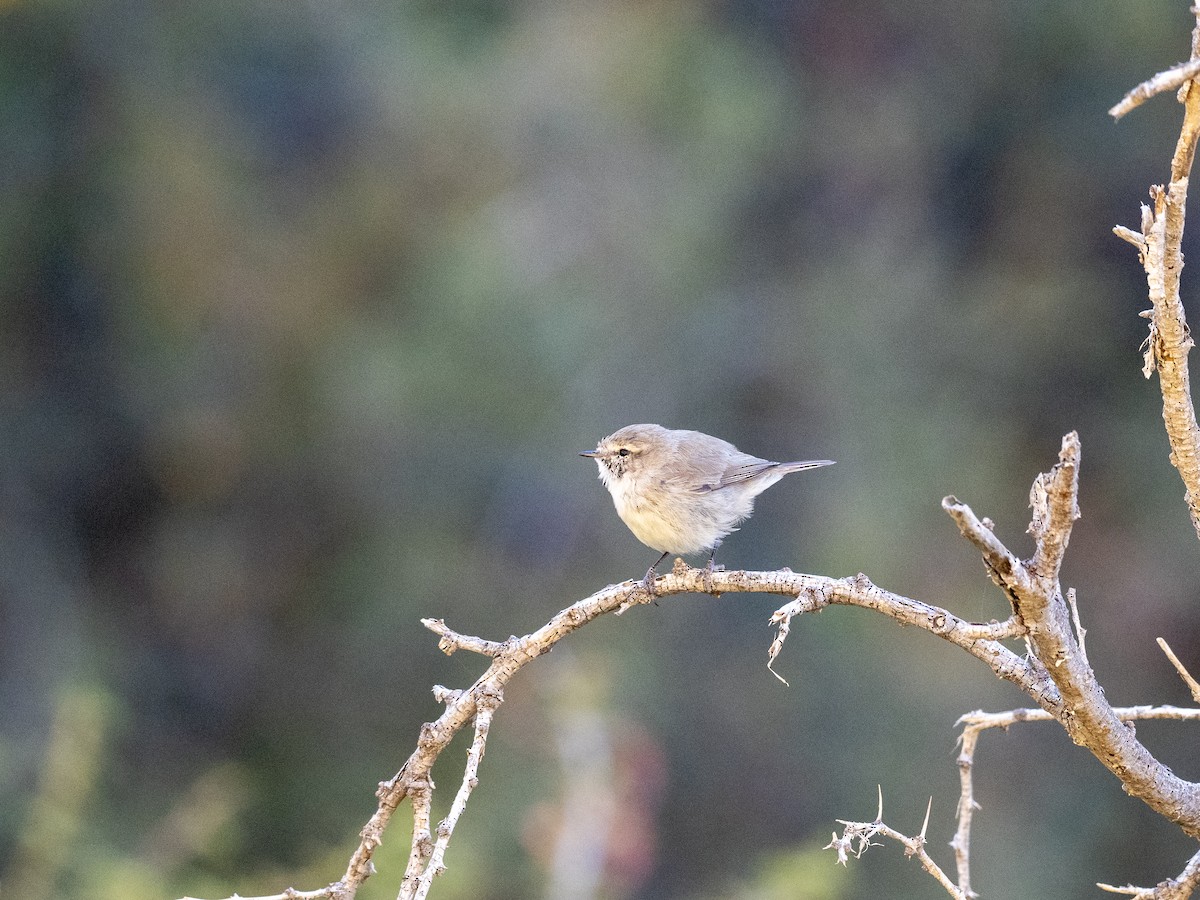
591	453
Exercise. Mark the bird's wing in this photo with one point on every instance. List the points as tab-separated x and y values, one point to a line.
737	473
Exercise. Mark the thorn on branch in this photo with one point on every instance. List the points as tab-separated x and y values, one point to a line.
1080	631
1149	346
858	836
783	620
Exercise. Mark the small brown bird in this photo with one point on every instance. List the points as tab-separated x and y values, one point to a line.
683	492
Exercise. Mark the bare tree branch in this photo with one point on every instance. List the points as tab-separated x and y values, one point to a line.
976	723
1169	80
325	893
1170	339
961	842
811	593
1193	685
1082	708
1178	888
434	866
815	592
1056	676
856	838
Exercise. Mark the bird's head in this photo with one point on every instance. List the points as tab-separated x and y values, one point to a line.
630	450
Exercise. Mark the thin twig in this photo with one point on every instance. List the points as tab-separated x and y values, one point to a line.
961	843
1128	234
1169	80
857	837
452	641
1080	631
435	866
1179	888
981	721
982	640
1192	684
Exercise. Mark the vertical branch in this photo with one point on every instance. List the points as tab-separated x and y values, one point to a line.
961	844
974	724
1159	244
421	793
435	866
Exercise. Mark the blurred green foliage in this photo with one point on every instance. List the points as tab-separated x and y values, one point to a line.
307	308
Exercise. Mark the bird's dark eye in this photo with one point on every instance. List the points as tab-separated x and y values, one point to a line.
624	451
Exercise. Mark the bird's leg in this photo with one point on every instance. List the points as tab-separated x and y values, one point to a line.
648	581
708	570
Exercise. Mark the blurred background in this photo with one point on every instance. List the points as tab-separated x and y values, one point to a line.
307	309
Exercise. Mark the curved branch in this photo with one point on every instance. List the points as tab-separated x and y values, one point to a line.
1055	675
815	592
811	593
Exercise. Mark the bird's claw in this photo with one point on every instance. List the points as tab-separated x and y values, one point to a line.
647	584
708	573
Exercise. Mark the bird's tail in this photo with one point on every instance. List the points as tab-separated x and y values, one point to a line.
789	467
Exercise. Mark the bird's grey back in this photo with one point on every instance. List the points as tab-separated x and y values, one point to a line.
710	462
705	463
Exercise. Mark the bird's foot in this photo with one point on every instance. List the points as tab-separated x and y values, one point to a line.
647	584
708	574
